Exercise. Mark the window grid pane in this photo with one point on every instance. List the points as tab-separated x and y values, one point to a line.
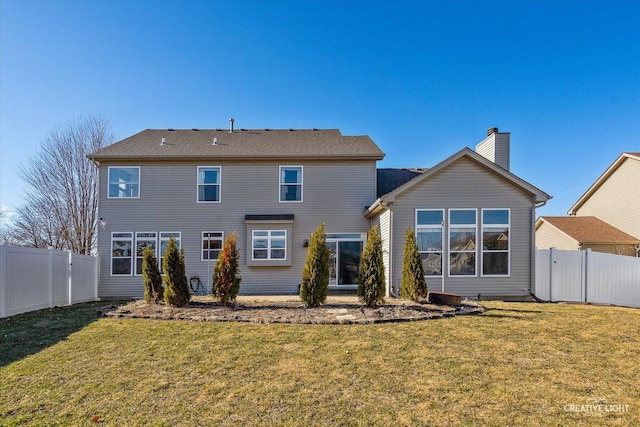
429	238
495	242
291	183
269	244
124	182
211	245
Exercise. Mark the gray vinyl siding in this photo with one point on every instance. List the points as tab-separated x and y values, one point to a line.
465	184
548	236
335	192
617	200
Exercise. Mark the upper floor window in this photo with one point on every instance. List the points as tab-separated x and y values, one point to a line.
495	242
124	182
429	238
208	183
462	242
290	183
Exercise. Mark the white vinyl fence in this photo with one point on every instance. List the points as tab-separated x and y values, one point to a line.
32	279
586	276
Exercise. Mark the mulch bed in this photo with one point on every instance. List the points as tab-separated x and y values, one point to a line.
256	309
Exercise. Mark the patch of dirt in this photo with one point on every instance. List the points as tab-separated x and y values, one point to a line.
290	309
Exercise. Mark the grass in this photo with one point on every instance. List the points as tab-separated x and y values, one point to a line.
518	364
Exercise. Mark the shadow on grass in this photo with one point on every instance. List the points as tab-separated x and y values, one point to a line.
25	334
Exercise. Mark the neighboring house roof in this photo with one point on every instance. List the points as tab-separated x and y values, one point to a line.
187	144
587	229
616	164
537	195
390	179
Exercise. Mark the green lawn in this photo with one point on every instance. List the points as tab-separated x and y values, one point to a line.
518	364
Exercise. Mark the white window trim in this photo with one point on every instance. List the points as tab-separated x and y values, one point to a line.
269	237
482	250
131	257
433	227
123	167
280	183
209	249
475	228
219	184
135	248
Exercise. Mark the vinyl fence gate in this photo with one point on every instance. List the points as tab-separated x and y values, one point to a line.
588	277
32	279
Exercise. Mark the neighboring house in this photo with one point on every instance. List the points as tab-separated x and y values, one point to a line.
614	201
574	233
274	187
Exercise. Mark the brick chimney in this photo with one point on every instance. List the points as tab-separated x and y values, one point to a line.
496	147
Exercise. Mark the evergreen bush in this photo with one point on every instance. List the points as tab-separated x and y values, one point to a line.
153	290
226	279
176	287
315	274
413	285
371	280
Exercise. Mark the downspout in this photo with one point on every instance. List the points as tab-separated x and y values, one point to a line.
386	206
533	250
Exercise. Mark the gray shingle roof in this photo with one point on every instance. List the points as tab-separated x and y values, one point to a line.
389	179
244	144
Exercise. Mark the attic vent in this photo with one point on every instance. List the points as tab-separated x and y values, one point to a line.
195	130
315	129
291	130
267	130
491	131
170	130
243	130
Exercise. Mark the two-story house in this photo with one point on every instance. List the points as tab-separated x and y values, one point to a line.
606	218
473	218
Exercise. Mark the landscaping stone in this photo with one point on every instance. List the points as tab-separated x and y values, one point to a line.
287	309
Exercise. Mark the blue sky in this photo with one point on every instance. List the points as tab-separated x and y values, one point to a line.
422	78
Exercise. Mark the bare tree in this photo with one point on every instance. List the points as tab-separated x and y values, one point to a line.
61	203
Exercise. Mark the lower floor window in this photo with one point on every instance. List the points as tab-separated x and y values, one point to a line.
126	261
121	253
478	239
211	244
269	244
144	240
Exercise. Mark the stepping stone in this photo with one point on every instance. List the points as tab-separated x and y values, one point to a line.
338	311
345	317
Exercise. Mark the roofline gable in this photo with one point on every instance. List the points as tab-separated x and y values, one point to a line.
601	180
542	220
390	197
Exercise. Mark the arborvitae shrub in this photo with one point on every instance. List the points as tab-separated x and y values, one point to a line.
176	287
153	290
413	285
226	279
371	281
315	274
